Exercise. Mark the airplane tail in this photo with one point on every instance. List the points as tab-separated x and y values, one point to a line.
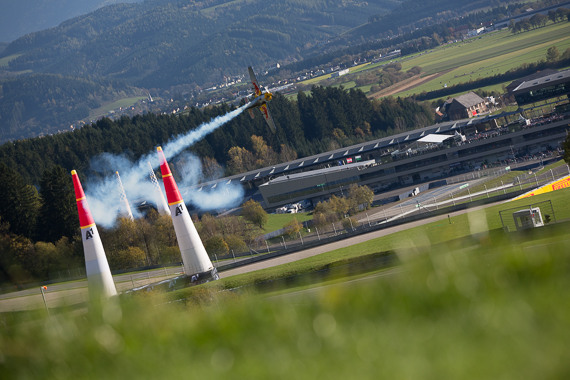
253	79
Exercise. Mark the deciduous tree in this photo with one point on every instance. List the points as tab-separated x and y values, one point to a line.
253	212
359	197
293	227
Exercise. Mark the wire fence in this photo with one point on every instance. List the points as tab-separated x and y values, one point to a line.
430	204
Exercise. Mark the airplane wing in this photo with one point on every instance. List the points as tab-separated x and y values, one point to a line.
267	116
256	87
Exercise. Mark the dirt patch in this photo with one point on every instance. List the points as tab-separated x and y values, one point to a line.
404	85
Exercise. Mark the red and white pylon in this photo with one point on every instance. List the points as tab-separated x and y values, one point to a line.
99	278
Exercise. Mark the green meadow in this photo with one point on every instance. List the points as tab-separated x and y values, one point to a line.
479	57
6	60
487	55
124	102
277	221
461	300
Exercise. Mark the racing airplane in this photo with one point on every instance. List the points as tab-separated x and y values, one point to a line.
259	100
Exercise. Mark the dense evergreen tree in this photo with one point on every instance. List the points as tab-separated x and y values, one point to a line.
19	202
57	215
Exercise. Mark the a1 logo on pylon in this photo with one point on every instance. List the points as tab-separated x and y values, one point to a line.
89	234
179	210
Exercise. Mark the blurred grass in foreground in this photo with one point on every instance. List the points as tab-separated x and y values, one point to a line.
497	309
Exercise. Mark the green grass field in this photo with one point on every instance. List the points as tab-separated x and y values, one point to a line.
479	57
125	102
488	55
414	238
277	221
496	307
6	60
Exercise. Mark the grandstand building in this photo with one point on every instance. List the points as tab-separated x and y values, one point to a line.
556	85
404	159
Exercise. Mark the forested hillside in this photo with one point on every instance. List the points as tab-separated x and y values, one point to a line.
22	17
42	104
326	118
161	44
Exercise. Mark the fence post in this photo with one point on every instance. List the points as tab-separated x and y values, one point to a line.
334	229
319	236
42	288
486	192
503	186
284	244
367	217
234	256
301	237
267	245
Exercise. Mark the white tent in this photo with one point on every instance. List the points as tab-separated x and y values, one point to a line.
434	139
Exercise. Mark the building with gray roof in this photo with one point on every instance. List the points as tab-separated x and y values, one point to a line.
466	106
544	88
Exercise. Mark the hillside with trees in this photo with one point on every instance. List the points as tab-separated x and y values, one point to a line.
43	104
53	78
22	17
157	44
176	48
325	118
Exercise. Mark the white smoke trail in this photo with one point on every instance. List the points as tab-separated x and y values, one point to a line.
103	196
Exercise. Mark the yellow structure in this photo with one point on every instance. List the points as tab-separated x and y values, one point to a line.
560	184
